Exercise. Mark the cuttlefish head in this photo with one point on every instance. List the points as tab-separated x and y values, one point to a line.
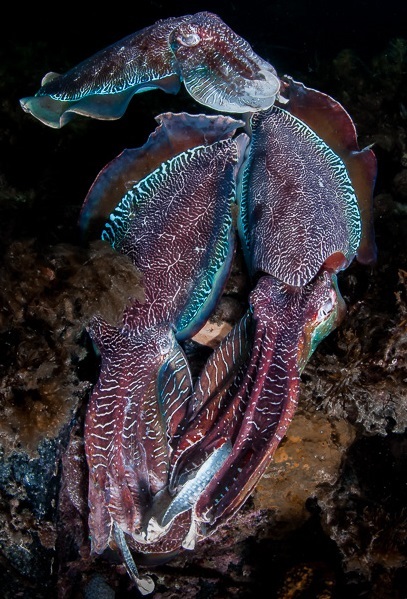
220	69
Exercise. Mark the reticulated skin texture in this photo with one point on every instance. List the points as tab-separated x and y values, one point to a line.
330	121
298	206
140	397
176	226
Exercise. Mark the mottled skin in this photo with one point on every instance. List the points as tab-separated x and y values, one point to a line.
125	434
330	121
176	227
311	211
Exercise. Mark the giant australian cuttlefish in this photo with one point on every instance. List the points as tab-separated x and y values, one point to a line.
171	459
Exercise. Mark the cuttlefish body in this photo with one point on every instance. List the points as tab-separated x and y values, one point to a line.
299	224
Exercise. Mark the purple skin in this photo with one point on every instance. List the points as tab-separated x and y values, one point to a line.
330	121
311	212
219	70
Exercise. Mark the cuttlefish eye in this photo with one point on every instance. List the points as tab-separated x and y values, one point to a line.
165	344
190	40
325	309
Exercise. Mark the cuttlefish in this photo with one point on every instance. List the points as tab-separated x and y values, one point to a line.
171	459
218	68
175	224
299	224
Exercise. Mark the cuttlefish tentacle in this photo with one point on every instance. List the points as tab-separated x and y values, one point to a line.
220	70
145	584
252	403
330	121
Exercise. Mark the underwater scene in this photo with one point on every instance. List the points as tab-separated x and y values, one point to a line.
203	285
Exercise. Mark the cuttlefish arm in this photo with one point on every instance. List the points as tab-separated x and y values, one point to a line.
330	121
132	412
174	134
219	69
298	208
251	402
